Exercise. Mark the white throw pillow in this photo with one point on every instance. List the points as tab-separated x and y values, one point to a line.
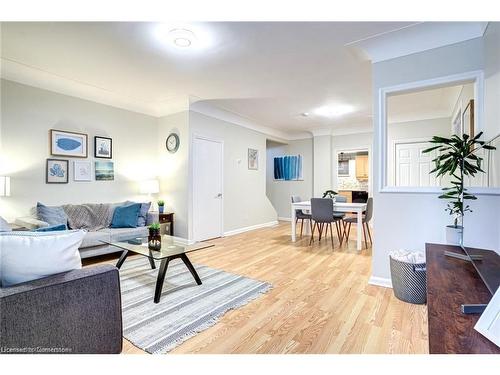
4	226
26	256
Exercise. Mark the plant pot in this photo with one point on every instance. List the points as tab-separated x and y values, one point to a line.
454	234
154	232
160	209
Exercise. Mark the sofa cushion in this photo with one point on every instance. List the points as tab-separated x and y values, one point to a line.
123	234
26	256
92	239
52	228
126	216
52	215
143	213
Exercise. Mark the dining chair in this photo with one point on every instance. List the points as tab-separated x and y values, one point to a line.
322	215
301	215
340	215
367	216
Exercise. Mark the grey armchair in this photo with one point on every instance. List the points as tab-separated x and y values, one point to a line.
73	312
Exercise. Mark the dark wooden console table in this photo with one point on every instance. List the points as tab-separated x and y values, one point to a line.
451	282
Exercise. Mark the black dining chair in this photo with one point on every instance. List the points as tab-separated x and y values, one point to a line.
367	216
322	215
301	215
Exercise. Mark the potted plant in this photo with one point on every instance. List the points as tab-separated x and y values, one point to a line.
457	159
161	206
154	238
330	194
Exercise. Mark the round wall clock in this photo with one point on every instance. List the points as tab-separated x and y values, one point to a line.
172	142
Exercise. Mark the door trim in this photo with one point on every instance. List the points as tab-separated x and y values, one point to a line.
193	174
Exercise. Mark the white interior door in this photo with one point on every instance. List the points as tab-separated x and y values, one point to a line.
207	188
413	166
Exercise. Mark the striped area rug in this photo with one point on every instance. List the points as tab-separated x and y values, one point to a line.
185	308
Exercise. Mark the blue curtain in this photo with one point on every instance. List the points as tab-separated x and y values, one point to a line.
288	167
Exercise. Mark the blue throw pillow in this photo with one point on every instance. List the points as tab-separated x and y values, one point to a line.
143	213
126	216
52	228
52	215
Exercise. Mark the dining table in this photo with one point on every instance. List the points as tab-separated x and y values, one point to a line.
357	208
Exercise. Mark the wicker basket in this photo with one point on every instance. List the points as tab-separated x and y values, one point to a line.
409	281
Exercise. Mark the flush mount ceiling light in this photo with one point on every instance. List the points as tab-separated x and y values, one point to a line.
334	110
182	38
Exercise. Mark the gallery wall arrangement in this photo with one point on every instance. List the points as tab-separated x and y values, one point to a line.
75	145
288	168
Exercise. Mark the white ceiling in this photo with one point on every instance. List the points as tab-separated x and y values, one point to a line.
267	72
422	105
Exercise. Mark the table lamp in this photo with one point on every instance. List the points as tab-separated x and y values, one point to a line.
4	186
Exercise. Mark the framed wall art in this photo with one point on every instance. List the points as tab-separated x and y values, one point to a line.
253	159
82	170
64	143
104	171
103	147
57	171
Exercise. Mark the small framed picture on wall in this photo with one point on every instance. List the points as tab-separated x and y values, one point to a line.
103	147
82	170
57	171
253	159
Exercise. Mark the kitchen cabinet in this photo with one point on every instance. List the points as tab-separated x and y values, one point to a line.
347	194
362	167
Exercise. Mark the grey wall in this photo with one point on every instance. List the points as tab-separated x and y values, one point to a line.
27	114
172	169
280	192
245	200
408	221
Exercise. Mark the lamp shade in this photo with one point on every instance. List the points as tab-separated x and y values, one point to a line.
4	186
149	187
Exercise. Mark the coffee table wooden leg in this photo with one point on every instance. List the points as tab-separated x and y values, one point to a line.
161	278
122	259
191	269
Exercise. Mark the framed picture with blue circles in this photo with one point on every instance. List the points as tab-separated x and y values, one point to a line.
64	143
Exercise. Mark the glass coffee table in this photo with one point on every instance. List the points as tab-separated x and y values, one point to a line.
171	248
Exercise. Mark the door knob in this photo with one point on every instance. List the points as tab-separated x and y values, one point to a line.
219	195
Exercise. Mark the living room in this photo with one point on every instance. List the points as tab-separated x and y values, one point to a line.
179	178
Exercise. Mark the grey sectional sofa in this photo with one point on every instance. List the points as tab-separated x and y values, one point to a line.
72	312
92	245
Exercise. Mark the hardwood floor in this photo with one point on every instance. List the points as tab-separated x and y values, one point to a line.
320	302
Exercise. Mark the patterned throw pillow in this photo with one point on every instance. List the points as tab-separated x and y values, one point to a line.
52	215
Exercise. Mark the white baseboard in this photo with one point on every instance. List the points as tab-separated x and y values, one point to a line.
253	227
380	281
284	218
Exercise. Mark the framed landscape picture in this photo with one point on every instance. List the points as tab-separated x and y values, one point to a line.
57	171
104	171
253	158
82	170
103	147
63	143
